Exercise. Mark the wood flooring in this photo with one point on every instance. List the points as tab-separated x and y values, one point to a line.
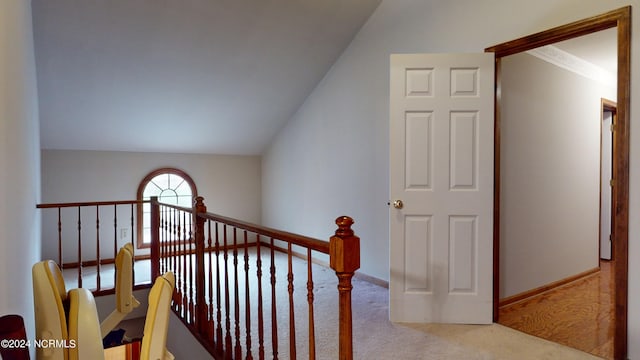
579	314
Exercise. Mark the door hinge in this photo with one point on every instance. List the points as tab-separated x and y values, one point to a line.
612	182
612	127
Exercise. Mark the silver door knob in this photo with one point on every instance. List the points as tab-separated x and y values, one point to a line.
398	204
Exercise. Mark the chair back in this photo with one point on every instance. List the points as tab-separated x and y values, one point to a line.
50	297
85	340
156	323
125	302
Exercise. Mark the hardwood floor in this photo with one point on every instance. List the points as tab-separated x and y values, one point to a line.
579	314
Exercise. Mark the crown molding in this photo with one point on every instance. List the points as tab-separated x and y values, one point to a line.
567	61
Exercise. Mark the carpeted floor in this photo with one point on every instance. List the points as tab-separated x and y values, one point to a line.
377	338
374	336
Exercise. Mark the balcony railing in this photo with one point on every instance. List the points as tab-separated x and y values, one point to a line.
237	284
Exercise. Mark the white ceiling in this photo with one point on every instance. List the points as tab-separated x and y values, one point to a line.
188	76
195	76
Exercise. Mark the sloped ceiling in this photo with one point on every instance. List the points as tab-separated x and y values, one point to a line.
188	76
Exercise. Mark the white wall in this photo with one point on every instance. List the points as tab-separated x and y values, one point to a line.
332	157
550	173
19	162
181	343
230	185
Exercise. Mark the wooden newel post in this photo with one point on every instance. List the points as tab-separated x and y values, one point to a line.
155	238
344	258
201	307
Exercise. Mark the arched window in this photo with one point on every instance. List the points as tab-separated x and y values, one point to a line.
171	186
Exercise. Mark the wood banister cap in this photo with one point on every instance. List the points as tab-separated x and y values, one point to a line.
199	204
344	247
344	226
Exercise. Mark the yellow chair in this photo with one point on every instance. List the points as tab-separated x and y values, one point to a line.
125	301
57	335
50	299
78	335
85	341
156	324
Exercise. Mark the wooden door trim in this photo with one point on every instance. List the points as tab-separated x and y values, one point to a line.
611	106
620	18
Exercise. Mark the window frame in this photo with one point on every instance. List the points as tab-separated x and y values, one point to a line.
140	244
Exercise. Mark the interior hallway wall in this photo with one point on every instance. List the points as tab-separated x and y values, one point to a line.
19	162
332	156
550	173
230	185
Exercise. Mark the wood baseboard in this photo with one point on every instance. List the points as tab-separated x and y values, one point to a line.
542	289
372	279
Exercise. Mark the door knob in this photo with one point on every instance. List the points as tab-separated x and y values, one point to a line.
398	204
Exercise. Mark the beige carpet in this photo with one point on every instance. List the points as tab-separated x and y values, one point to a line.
377	338
374	336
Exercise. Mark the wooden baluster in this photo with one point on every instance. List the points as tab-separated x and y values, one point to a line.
163	241
60	261
171	238
115	241
179	274
219	339
274	317
79	249
292	316
98	247
228	344
167	241
176	260
236	293
155	238
188	242
185	282
260	310
247	297
312	332
344	259
201	308
210	322
181	265
133	266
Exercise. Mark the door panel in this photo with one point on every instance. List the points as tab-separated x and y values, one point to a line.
441	163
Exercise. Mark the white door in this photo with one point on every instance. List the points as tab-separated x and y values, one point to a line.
441	164
605	185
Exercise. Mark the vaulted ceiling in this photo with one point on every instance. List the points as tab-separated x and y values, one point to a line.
192	76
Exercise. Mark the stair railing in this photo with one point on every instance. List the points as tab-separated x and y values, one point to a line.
219	301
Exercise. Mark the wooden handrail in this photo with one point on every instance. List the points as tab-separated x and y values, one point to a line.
92	203
295	239
344	255
83	232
